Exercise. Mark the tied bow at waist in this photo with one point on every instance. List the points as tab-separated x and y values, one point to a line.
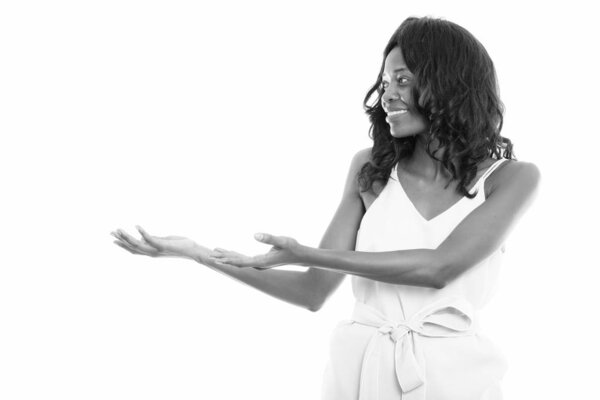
443	319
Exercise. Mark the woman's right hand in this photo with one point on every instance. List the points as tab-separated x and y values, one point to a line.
154	246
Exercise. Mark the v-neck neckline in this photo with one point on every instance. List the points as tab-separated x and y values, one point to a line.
416	210
396	177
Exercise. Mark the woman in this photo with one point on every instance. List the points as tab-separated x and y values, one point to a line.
420	228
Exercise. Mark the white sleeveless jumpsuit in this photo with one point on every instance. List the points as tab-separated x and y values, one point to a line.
415	343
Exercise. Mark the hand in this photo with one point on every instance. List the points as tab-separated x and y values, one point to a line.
154	246
285	251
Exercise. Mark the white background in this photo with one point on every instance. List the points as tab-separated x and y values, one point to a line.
218	120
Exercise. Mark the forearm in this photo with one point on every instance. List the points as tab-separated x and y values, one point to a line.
419	267
289	286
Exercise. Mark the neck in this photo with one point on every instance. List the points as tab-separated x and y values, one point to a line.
423	165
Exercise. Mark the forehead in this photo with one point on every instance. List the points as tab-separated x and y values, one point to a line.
394	61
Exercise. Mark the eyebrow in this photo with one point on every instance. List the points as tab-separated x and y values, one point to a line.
399	70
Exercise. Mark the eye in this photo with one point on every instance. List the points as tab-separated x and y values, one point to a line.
402	80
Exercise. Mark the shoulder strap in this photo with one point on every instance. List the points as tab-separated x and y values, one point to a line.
394	173
480	183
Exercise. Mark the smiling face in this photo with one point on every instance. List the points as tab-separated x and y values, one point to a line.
397	98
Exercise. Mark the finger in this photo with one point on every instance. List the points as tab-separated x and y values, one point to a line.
135	245
222	254
150	241
246	262
125	239
120	236
224	262
124	236
233	261
145	249
235	254
129	249
217	253
145	235
227	253
124	244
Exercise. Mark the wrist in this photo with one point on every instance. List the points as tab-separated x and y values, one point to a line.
304	255
198	253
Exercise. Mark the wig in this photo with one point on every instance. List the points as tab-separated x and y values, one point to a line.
455	89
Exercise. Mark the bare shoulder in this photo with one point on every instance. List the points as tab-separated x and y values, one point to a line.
352	187
518	176
360	158
367	197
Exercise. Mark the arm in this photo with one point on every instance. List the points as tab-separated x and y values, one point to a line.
475	238
310	288
289	286
340	235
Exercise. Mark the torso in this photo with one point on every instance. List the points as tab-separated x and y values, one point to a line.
430	200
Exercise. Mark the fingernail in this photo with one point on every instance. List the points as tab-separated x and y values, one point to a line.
258	236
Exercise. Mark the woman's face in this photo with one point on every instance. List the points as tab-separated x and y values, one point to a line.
397	99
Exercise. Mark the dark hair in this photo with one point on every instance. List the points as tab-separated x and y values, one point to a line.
455	89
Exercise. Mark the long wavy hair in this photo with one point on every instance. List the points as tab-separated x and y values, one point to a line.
455	89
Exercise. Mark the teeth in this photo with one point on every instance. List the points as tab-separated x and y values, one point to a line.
391	114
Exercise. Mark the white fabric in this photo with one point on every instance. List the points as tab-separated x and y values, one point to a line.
409	342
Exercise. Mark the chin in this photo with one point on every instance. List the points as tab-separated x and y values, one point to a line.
408	129
402	133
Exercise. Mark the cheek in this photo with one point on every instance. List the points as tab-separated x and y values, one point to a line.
424	98
425	122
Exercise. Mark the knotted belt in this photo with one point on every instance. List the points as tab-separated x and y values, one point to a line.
442	319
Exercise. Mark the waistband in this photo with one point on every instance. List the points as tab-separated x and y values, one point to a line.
445	318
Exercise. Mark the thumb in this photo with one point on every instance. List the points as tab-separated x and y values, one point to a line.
268	239
145	235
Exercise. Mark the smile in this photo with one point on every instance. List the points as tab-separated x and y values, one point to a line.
392	113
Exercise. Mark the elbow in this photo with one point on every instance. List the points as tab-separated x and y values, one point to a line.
314	307
437	282
315	304
445	272
317	300
440	275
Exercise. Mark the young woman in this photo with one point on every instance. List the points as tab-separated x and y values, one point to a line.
420	228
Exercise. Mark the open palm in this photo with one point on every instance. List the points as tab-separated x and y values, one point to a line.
154	246
283	252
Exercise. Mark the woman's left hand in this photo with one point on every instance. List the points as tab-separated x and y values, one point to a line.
285	251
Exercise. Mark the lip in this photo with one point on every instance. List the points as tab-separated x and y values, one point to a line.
395	115
391	110
396	106
391	113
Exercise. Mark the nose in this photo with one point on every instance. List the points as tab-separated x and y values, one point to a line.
390	94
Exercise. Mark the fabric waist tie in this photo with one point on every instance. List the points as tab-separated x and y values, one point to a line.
445	318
